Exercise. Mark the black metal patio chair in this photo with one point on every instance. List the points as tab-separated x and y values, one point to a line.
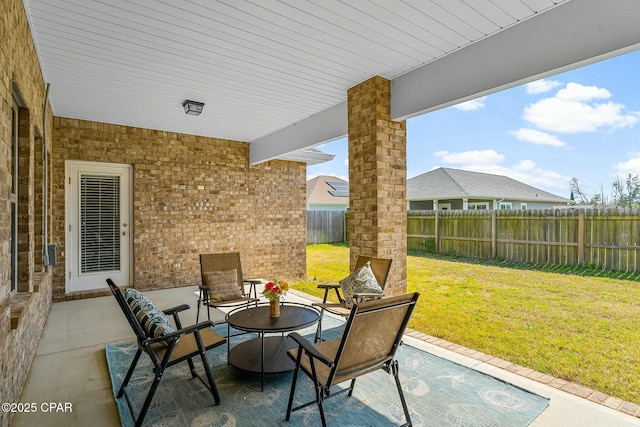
166	346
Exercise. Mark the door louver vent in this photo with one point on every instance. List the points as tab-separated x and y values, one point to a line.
99	223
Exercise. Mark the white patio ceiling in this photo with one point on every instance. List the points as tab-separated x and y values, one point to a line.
275	72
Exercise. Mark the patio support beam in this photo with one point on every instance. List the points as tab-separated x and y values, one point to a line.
326	126
539	47
532	49
377	180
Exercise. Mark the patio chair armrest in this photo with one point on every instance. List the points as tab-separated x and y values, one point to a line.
310	349
328	286
191	329
359	296
326	305
180	332
176	309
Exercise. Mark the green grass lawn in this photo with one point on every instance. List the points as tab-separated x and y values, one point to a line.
582	328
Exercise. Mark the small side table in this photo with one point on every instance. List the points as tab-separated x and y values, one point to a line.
267	355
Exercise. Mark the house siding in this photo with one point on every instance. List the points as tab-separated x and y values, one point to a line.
191	195
427	205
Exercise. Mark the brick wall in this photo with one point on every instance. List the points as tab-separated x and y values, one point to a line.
257	210
23	314
378	180
191	195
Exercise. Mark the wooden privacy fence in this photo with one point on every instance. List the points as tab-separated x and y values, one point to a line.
325	227
606	238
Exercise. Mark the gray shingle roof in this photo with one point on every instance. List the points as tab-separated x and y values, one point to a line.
446	183
318	191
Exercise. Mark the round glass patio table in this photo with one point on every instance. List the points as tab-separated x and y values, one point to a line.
267	354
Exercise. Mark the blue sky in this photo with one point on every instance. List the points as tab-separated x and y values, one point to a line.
583	123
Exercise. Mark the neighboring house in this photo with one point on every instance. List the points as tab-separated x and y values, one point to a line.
327	193
446	188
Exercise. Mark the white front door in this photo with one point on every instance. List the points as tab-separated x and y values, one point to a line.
98	235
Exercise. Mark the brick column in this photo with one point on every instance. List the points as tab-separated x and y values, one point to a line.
377	180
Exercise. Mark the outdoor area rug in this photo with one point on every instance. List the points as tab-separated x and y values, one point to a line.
438	393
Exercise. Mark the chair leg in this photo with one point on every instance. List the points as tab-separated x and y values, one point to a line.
192	368
203	299
212	382
320	390
134	362
396	376
293	384
318	336
150	394
353	384
320	397
207	369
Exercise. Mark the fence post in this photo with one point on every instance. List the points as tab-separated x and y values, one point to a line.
494	235
437	233
345	222
581	238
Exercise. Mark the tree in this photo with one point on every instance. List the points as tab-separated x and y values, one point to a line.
626	194
583	198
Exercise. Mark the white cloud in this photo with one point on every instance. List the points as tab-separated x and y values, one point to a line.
470	157
474	104
541	86
526	171
573	109
631	166
580	93
346	161
537	137
525	166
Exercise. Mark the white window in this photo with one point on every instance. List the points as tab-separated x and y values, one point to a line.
523	206
478	205
505	205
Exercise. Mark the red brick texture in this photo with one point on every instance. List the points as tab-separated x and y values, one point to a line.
191	195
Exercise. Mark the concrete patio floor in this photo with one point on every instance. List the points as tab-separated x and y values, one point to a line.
70	367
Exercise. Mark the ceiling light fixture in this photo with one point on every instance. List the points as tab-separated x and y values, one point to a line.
193	108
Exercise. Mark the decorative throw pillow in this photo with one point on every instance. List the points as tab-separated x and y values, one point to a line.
153	321
361	280
223	285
